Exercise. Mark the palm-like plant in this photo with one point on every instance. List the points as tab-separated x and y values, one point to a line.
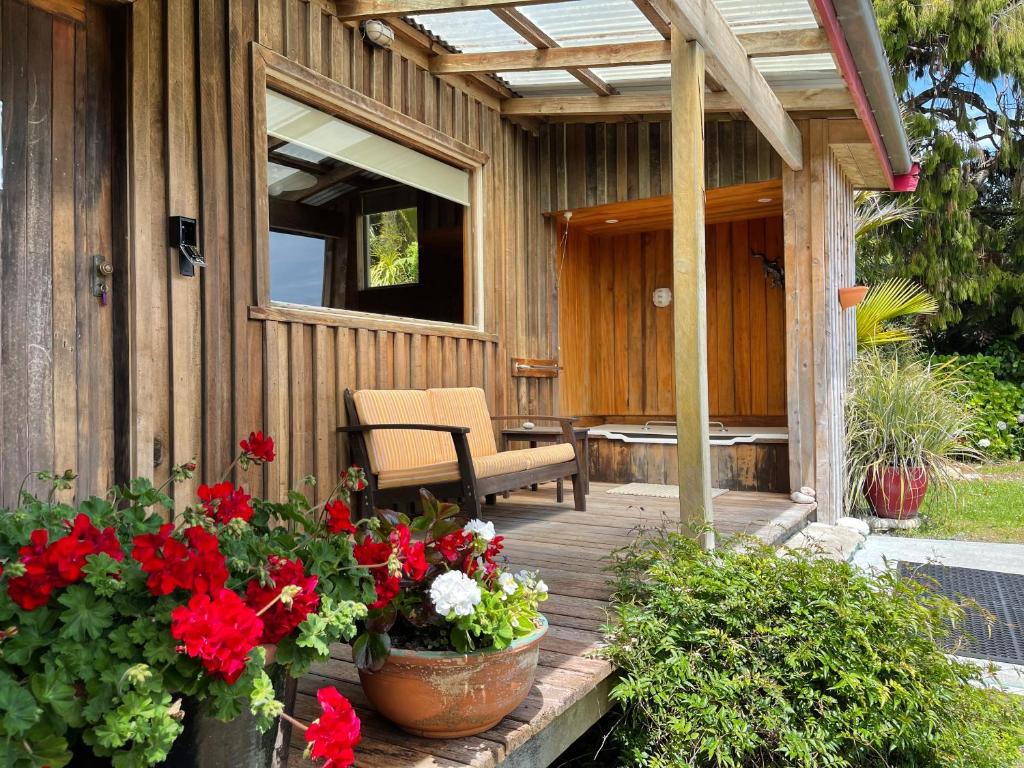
888	301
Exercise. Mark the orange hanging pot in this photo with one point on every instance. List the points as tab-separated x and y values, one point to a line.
852	295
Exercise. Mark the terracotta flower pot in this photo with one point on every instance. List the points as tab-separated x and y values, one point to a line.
852	296
896	494
443	695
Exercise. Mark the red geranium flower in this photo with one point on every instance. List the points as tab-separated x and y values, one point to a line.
60	564
450	546
195	565
279	620
258	447
339	517
386	584
411	553
333	735
220	631
223	502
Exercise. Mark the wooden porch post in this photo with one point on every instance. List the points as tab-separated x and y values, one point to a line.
690	300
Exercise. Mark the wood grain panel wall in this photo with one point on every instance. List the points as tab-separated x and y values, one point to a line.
594	164
56	213
204	369
616	346
821	338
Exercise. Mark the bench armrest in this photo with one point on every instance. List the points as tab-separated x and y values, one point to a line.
425	427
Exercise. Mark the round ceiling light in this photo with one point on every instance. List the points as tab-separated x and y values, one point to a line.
764	199
611	221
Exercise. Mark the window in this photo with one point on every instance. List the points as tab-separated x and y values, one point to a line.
361	222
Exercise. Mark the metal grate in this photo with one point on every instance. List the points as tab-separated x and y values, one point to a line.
1000	593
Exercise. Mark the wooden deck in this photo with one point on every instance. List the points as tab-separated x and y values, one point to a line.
571	688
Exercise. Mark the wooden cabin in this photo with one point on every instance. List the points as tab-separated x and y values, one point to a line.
217	216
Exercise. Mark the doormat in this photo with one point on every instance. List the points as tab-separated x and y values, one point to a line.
657	490
1002	594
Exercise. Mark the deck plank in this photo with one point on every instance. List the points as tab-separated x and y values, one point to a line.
570	550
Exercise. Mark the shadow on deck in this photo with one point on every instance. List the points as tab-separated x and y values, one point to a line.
571	689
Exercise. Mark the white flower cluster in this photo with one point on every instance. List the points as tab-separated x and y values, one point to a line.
1001	426
984	443
507	583
530	582
479	528
1020	418
454	592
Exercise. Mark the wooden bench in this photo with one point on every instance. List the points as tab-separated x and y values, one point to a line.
443	440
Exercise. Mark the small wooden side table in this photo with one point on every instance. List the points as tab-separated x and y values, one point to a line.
551	434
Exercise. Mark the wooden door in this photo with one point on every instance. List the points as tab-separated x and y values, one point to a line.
56	217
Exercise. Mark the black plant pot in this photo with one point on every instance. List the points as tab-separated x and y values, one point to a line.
208	742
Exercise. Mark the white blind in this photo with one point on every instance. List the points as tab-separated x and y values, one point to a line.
294	122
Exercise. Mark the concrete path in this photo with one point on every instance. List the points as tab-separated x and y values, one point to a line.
1004	558
881	551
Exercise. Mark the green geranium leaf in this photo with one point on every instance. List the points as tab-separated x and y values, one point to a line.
18	708
85	617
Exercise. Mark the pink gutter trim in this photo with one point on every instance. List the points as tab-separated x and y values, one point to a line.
861	105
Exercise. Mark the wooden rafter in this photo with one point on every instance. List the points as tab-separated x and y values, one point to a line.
791	99
727	62
612	54
654	16
544	42
369	9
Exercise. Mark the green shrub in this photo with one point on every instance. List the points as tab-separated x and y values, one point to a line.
997	401
744	658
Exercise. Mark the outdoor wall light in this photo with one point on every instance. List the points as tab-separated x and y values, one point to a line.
662	297
184	235
378	33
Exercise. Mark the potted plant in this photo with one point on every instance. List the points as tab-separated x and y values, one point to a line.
906	420
117	626
451	642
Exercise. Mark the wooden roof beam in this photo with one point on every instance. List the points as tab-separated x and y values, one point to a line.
791	99
550	56
727	62
370	9
538	37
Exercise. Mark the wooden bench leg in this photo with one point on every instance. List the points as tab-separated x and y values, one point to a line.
559	490
472	507
579	493
491	499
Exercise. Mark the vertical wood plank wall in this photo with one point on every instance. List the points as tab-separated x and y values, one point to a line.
821	338
56	401
216	371
605	289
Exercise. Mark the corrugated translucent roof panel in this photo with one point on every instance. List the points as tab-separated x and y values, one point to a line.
636	76
812	70
472	31
591	22
763	15
554	81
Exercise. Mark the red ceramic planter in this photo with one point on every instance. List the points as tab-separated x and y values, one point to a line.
896	494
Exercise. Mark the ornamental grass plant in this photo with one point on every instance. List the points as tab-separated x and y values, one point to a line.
114	621
745	658
905	412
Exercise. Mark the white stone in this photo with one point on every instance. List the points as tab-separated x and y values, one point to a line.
808	491
801	498
856	524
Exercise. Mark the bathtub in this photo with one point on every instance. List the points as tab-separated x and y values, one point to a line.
742	458
665	434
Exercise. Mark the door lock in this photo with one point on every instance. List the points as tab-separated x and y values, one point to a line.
102	270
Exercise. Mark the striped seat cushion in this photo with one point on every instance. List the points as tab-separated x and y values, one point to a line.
465	407
392	449
503	463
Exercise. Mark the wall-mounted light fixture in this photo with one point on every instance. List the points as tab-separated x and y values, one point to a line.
773	271
184	236
662	297
851	296
378	33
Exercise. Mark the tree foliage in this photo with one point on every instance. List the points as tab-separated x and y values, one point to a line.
957	65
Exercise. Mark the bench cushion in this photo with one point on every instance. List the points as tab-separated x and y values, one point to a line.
465	407
502	463
392	449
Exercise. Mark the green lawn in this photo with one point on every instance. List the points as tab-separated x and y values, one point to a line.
989	508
